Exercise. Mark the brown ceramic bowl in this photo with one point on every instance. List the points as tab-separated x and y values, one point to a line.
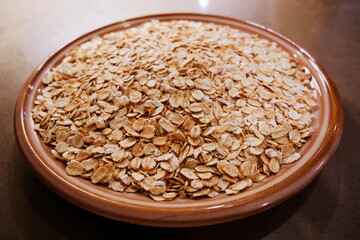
136	208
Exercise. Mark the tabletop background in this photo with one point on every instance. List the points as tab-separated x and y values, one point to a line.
328	208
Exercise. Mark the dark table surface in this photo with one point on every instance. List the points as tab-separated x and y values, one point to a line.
327	209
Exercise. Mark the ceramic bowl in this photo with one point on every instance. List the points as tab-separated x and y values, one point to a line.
139	209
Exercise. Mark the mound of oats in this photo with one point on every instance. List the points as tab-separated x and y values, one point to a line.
176	108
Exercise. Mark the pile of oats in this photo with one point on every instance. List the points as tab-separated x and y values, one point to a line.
176	108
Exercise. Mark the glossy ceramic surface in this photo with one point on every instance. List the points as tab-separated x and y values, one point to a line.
135	208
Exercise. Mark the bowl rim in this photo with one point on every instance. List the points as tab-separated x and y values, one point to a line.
170	215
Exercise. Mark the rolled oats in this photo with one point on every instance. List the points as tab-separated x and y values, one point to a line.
176	108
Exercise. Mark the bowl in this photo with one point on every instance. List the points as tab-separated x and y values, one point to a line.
139	209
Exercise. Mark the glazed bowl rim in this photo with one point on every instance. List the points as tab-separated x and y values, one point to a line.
233	206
